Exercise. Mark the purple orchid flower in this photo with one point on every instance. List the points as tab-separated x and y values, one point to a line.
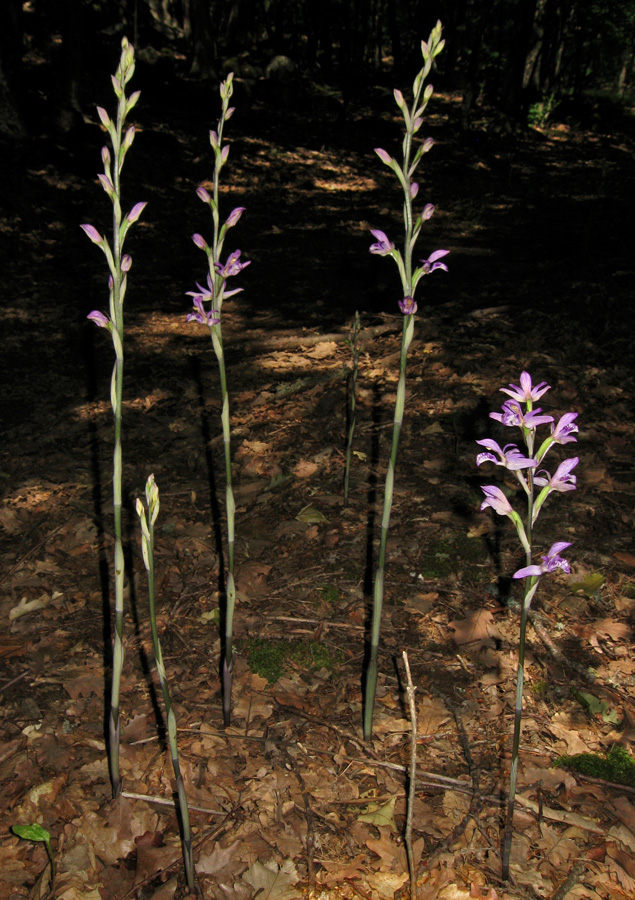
202	292
526	391
495	498
510	456
550	563
562	432
408	306
512	414
233	266
562	479
384	246
200	315
430	264
100	319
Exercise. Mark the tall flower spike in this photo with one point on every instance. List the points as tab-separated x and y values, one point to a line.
409	276
214	294
118	267
518	411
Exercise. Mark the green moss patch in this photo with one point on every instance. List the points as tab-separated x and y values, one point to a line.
269	659
457	556
617	766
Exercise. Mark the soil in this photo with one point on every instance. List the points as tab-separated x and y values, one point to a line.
289	801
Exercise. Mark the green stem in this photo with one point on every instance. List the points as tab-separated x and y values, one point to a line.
230	600
351	429
147	538
404	265
530	588
378	588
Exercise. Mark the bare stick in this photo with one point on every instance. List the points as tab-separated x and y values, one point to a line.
410	693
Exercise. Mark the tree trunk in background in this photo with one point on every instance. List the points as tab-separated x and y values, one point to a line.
395	35
554	30
11	46
198	30
471	52
513	96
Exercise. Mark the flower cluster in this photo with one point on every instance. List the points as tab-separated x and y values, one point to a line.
215	292
519	411
410	273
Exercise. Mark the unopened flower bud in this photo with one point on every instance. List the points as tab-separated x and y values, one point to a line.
234	216
136	211
200	241
203	195
385	157
92	233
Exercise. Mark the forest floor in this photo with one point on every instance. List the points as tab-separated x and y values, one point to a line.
289	801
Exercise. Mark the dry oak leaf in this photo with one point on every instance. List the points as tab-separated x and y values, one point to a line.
558	847
628	558
323	350
478	626
431	715
568	734
304	468
273	882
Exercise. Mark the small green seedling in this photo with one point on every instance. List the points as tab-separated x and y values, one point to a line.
39	835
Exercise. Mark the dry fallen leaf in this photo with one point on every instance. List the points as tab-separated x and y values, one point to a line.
476	627
273	882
